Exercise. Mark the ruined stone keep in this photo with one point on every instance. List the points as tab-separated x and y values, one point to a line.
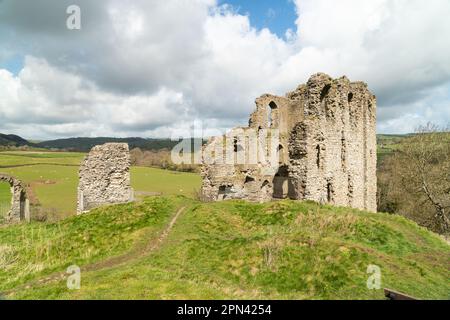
104	177
20	205
326	149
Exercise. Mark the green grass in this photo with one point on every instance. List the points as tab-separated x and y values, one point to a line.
53	187
164	181
5	193
237	250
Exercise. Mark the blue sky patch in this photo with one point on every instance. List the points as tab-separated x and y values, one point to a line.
13	64
276	15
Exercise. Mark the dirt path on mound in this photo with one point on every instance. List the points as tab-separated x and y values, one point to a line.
135	253
138	251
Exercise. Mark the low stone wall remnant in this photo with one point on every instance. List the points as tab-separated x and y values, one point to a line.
104	177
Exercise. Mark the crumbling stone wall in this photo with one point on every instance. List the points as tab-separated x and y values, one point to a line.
104	177
327	148
333	149
223	179
20	205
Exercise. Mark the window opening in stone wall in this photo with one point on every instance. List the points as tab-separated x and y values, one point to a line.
249	179
350	97
281	154
270	114
329	192
318	156
325	91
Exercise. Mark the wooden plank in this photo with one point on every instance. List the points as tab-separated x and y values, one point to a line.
394	295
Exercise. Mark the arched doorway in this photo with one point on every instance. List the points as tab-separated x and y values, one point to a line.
272	115
281	184
19	205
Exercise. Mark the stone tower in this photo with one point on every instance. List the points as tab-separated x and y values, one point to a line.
326	149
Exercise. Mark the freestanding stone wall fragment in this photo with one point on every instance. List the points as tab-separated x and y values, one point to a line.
104	177
20	205
326	151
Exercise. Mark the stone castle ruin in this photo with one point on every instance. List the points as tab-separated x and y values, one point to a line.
325	148
20	205
104	177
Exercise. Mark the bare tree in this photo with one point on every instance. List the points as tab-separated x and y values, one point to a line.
420	173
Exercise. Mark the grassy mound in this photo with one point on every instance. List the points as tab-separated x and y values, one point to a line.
29	251
236	250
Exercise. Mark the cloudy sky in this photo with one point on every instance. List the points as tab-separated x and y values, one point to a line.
147	67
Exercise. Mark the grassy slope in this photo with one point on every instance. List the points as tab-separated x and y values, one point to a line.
236	250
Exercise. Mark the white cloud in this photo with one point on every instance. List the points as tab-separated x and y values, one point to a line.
145	68
44	101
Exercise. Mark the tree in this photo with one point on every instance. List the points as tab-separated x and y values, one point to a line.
419	179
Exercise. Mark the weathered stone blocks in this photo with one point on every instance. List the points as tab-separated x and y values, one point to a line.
104	177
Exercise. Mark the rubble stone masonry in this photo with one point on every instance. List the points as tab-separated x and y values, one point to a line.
104	177
326	150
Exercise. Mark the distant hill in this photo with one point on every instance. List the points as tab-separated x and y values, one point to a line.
85	144
11	140
82	144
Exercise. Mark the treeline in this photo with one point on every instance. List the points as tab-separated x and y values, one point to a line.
14	148
415	180
86	144
159	159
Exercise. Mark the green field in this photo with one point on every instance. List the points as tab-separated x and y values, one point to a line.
228	250
53	178
17	158
5	193
388	144
5	199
